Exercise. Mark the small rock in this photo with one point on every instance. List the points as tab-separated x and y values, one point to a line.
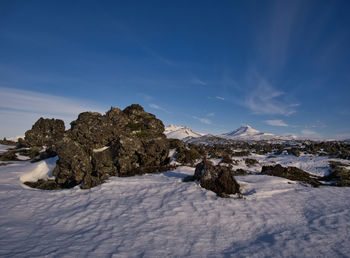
291	173
218	179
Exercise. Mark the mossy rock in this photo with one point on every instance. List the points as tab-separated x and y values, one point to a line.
186	156
31	152
241	153
226	159
339	175
291	173
250	162
43	185
9	156
240	172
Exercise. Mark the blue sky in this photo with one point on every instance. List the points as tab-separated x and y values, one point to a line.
280	66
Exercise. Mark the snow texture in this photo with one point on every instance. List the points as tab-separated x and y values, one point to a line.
180	132
248	133
41	170
158	215
100	149
4	148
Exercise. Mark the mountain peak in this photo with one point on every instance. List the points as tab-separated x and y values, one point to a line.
180	132
244	130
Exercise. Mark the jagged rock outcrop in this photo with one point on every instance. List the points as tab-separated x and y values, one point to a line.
291	173
45	132
218	179
122	143
339	174
73	163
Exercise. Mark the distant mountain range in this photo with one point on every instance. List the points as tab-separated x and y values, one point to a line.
244	133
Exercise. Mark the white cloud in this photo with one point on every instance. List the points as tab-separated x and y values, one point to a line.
276	122
309	133
220	98
41	103
203	120
198	81
211	114
344	136
21	108
155	106
264	99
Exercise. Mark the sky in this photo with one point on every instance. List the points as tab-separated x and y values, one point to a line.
280	66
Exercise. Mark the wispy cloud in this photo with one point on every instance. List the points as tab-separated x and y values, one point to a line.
156	55
264	99
273	40
309	133
344	136
21	108
145	97
198	81
203	120
276	123
211	114
155	106
220	98
31	101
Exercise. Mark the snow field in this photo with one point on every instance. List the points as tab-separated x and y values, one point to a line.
158	215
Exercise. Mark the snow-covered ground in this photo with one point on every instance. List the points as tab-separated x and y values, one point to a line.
158	215
317	165
4	148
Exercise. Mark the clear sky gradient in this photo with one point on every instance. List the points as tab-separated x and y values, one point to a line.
280	66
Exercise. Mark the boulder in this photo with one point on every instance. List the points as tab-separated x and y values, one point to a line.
291	173
218	179
338	175
73	163
122	143
45	132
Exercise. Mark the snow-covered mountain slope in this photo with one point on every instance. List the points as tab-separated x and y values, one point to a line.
248	133
15	139
158	215
180	132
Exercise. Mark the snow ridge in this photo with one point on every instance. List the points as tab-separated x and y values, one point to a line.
249	133
180	132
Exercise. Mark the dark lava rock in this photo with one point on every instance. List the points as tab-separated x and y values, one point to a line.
122	143
43	184
291	173
45	132
240	172
73	163
250	162
338	175
8	156
8	142
218	179
43	154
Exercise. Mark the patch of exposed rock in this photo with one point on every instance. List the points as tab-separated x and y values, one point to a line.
45	132
218	179
291	173
338	175
122	143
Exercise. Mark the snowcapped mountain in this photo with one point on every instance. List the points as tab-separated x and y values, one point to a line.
243	131
248	133
180	132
